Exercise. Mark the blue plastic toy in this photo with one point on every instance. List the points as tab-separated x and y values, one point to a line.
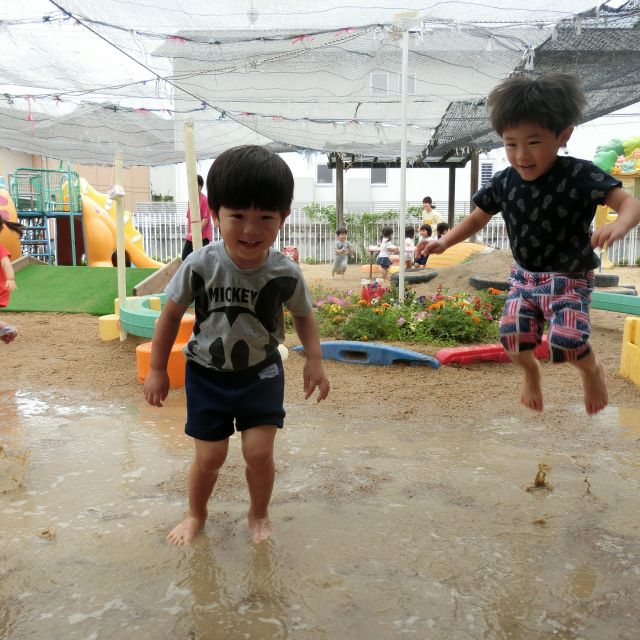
372	353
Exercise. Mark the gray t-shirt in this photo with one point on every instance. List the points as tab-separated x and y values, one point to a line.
239	312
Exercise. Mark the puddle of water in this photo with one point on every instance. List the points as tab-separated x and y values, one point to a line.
383	530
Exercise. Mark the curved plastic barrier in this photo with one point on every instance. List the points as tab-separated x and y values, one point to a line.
138	315
484	353
372	353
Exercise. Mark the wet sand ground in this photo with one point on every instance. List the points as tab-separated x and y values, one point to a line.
404	504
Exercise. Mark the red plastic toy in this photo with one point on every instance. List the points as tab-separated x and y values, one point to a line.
485	353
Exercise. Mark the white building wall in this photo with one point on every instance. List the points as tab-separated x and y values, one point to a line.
12	160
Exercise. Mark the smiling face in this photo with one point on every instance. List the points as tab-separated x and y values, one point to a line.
248	234
531	149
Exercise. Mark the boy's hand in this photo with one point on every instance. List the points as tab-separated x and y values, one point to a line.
11	284
608	234
315	377
156	387
435	246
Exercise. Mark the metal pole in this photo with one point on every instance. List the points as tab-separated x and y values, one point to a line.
403	161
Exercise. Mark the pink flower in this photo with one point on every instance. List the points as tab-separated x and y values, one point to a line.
400	321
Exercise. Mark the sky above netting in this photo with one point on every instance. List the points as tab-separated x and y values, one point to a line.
81	79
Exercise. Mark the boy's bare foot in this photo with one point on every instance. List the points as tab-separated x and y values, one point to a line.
531	395
596	396
260	529
186	531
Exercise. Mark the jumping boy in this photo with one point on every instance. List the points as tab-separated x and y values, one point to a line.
234	370
548	204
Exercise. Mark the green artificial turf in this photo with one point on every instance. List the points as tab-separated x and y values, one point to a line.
71	289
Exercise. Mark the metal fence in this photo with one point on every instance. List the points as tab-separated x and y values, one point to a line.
163	226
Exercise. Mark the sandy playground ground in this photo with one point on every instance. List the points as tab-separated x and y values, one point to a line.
63	351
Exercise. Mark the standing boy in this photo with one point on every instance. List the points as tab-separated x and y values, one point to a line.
234	371
342	251
548	204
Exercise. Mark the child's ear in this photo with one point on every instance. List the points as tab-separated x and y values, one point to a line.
565	134
284	216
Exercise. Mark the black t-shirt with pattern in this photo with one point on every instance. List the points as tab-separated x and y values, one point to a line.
548	220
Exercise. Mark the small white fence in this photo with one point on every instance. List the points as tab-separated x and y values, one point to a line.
163	226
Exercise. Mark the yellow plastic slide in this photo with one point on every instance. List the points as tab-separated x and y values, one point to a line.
99	220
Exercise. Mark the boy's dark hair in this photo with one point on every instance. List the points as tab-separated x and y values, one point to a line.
426	227
554	102
442	227
409	232
200	180
428	200
14	226
340	230
250	176
387	232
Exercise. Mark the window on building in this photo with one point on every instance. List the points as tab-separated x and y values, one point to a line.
486	171
378	175
384	83
411	84
324	174
379	83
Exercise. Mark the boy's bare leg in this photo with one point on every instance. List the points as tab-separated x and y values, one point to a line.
257	449
531	393
203	473
596	396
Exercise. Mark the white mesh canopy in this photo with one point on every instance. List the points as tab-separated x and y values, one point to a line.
84	78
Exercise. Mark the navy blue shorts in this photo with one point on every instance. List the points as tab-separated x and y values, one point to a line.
422	260
251	398
385	263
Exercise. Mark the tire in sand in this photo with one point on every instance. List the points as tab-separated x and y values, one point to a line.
414	277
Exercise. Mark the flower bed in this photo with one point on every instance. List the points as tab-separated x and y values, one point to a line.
374	313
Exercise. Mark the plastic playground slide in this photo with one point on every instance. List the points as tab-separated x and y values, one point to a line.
99	220
8	239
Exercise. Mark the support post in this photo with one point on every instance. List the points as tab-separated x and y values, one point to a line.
339	191
452	197
403	162
192	184
473	184
118	191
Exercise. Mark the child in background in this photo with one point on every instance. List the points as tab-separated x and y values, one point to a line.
425	233
429	213
548	204
205	222
386	249
342	251
234	373
7	276
442	228
409	247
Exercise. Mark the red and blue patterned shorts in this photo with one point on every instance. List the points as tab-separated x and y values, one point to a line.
562	299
